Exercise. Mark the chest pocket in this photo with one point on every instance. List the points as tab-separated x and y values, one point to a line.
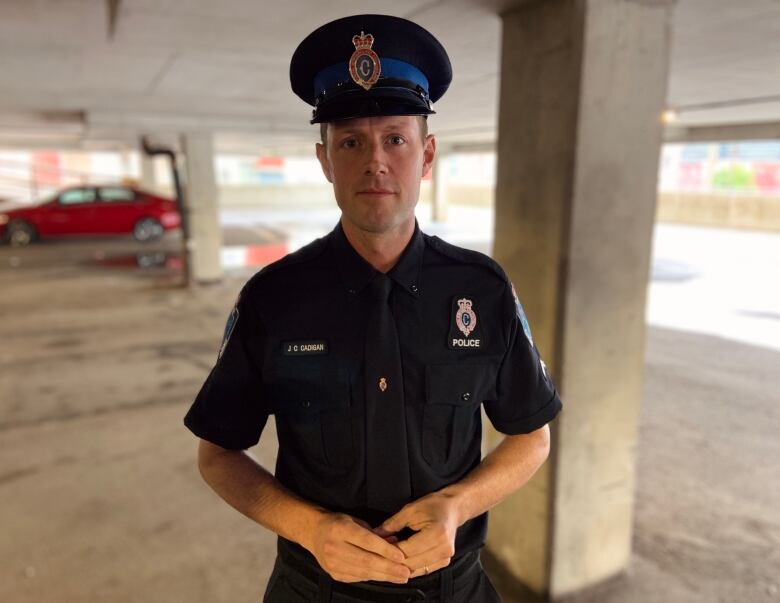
312	403
451	425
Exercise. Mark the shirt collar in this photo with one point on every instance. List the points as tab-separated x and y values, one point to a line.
406	272
356	272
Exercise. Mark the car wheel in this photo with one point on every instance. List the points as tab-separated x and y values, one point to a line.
147	229
20	233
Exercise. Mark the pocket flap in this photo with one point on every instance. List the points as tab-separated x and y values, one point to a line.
460	384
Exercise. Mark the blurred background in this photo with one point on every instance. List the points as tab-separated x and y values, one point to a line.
620	159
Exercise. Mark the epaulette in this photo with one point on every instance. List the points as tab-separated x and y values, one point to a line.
467	256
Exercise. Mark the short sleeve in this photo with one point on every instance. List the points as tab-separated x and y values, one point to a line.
230	410
526	398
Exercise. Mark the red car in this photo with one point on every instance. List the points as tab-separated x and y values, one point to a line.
91	210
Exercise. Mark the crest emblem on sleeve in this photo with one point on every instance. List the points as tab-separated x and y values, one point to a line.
229	326
522	317
465	317
364	65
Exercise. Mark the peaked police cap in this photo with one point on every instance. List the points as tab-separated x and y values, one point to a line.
369	65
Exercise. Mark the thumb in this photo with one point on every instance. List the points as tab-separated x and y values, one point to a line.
394	524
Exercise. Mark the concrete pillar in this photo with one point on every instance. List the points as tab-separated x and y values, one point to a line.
202	203
583	85
148	176
439	193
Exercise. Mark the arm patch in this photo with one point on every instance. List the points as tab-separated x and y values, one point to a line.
229	326
521	316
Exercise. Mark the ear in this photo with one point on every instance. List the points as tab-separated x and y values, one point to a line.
322	155
429	154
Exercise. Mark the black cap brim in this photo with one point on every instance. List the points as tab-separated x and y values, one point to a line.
380	100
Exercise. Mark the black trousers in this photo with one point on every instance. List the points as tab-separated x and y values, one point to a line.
464	581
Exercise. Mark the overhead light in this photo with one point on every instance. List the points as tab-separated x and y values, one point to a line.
669	116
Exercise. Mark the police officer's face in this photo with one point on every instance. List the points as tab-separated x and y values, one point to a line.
375	165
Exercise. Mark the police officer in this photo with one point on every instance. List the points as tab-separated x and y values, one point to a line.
375	347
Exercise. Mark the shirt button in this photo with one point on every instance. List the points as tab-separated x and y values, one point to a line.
306	404
351	291
414	288
466	396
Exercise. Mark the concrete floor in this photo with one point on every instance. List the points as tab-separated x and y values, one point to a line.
100	499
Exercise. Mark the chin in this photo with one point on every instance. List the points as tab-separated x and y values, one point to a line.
375	226
377	221
372	221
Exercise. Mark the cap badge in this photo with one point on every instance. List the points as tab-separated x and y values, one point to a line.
383	383
465	318
364	66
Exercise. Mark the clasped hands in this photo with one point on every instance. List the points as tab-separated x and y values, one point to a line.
351	551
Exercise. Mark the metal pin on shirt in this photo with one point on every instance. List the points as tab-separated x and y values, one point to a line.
382	383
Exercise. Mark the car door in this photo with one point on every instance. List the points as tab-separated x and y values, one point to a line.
73	212
117	209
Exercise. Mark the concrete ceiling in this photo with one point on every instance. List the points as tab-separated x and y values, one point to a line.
91	74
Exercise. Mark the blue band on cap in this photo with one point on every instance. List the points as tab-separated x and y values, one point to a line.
331	76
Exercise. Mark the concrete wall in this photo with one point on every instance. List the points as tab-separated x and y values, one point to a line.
726	210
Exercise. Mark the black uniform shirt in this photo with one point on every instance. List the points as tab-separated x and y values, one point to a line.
293	347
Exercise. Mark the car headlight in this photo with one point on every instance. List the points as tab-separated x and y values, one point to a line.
3	219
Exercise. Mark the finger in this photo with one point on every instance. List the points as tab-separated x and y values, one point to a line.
432	567
362	523
369	541
429	558
422	542
369	566
351	564
382	532
351	575
397	522
392	538
363	574
359	557
344	576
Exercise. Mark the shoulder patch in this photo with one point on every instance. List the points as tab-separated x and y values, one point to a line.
229	326
522	317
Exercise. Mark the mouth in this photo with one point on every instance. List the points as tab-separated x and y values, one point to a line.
378	192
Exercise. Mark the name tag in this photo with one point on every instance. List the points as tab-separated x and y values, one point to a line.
305	348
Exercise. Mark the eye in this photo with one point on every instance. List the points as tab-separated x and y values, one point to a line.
396	139
348	143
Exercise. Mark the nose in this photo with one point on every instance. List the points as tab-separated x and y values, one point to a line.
376	159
